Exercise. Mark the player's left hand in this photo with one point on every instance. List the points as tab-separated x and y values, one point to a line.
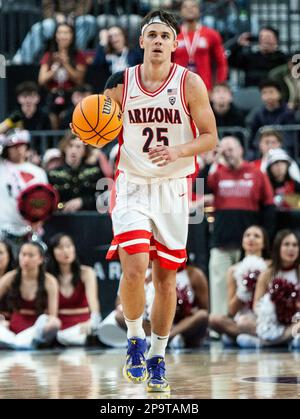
163	155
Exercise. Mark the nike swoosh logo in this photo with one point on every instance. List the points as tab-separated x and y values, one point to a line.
134	97
161	338
182	194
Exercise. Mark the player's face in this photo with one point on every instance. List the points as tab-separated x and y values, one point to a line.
158	43
253	241
30	257
289	249
65	252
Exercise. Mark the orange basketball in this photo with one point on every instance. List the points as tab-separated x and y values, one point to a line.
97	120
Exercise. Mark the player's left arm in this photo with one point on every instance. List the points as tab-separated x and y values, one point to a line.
204	119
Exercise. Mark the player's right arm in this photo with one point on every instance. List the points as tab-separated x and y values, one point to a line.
114	87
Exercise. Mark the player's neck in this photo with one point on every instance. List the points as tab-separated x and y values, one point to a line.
155	73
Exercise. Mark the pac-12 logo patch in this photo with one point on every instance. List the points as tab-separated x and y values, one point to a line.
172	100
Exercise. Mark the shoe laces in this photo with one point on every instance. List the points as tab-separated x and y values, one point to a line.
157	371
136	351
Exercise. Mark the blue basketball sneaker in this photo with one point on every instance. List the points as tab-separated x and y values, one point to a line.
135	368
157	381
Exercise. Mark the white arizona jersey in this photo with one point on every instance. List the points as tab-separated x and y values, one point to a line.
151	119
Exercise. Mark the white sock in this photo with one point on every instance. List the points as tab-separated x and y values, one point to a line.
158	345
135	328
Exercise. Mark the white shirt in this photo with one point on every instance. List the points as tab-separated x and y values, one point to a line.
14	178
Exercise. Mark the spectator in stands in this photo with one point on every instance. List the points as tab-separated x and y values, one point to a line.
78	310
55	12
277	297
75	180
124	13
52	159
226	113
31	293
62	68
270	139
7	263
6	257
277	166
200	48
78	94
191	318
16	174
29	115
273	112
290	85
113	51
242	197
241	281
257	64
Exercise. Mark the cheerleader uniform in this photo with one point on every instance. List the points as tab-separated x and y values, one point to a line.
77	300
268	326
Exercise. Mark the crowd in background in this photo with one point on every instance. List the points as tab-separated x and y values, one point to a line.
48	297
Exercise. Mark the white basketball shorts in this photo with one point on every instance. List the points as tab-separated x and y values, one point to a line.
152	218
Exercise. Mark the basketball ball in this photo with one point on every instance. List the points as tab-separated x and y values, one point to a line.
97	120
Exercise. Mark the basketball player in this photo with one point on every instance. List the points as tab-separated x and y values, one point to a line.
163	104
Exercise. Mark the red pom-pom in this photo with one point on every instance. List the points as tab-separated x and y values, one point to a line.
285	296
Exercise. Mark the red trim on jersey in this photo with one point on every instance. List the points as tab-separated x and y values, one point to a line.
161	88
182	92
125	89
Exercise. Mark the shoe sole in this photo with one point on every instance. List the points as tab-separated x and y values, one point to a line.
158	390
134	381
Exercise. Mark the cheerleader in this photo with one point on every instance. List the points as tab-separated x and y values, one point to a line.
7	264
277	297
30	293
79	309
241	281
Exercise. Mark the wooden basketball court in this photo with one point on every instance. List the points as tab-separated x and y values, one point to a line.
96	374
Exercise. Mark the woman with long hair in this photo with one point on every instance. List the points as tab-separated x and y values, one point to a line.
62	68
32	296
79	309
241	281
277	296
7	264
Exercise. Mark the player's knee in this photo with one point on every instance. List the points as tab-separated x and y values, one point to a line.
166	286
133	275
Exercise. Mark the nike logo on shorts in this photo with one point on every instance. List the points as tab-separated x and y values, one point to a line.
182	194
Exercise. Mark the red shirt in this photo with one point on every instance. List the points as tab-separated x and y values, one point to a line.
245	188
209	52
61	78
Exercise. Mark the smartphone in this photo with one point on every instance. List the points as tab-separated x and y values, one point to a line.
253	38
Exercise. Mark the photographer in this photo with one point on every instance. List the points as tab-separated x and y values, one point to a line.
257	64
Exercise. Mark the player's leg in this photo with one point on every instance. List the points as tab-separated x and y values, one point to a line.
132	295
162	316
